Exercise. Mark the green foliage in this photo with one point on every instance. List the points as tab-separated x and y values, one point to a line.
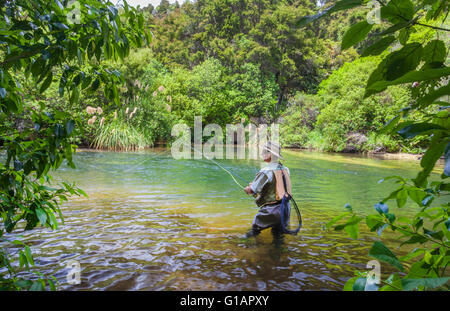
210	90
239	32
299	121
41	44
154	119
356	34
338	113
428	230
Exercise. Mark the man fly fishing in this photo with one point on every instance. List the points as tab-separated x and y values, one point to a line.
272	190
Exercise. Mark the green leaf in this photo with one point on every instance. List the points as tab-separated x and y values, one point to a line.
52	284
434	51
439	235
389	125
397	11
75	95
46	82
433	95
404	60
42	216
335	220
394	66
352	231
355	34
433	154
354	220
378	47
447	160
28	255
360	284
417	222
402	197
70	126
394	28
58	4
61	26
95	85
417	195
53	221
412	76
381	252
390	217
410	284
393	283
22	259
37	286
349	284
403	36
447	224
416	252
392	195
374	222
415	129
58	130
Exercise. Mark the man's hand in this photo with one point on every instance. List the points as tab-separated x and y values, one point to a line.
248	190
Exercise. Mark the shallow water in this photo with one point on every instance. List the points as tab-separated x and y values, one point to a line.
155	223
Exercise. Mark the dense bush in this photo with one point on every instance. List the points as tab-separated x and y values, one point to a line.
338	118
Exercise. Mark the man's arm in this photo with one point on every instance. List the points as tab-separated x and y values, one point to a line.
248	189
258	183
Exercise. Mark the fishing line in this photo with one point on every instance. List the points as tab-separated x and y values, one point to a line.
226	170
156	154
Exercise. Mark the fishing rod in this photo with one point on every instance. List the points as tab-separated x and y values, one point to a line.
233	175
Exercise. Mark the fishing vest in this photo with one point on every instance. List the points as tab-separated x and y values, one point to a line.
274	190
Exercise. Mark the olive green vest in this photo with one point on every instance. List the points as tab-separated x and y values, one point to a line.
274	190
268	194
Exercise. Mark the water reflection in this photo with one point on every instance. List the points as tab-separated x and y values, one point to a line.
153	223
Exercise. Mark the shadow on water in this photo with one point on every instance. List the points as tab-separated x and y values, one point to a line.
155	223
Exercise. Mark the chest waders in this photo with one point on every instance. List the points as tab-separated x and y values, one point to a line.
279	191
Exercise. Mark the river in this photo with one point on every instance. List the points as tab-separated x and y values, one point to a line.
155	223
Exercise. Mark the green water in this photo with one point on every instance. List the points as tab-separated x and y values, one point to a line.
155	223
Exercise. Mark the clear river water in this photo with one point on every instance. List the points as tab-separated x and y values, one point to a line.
155	223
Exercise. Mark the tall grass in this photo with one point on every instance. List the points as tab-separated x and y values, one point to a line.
119	135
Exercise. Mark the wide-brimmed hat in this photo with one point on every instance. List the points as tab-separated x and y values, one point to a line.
273	149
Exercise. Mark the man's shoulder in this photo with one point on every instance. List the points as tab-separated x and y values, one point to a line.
273	167
269	169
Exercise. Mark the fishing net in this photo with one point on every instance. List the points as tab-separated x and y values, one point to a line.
291	219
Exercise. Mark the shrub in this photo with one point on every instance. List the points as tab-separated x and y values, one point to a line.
117	135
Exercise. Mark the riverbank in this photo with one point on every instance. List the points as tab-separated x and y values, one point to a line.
376	155
371	154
